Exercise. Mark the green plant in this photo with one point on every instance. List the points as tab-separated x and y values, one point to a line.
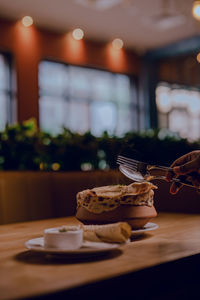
24	147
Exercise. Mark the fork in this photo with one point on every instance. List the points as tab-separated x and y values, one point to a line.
141	171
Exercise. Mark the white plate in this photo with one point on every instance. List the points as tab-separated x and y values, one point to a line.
37	244
149	226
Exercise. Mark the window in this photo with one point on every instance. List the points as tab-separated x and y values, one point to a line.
83	99
6	97
179	110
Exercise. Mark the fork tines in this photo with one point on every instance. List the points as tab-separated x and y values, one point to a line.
130	163
138	165
127	159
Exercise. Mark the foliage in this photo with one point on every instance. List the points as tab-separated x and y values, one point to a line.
24	147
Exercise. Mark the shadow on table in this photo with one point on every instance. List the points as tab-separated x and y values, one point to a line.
32	257
140	237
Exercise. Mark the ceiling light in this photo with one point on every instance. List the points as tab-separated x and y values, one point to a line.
117	44
77	34
99	4
27	21
161	22
196	10
165	18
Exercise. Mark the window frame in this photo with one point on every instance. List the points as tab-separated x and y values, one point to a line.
135	106
11	90
173	86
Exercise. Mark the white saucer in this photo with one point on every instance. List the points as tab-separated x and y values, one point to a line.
148	227
37	244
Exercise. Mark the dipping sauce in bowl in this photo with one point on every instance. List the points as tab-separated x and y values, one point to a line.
64	237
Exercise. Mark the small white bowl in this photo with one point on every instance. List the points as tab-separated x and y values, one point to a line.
65	237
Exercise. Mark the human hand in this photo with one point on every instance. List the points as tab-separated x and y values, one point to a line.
188	165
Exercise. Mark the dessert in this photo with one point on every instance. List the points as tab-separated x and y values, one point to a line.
117	203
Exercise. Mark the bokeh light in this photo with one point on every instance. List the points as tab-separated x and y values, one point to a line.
78	34
196	10
117	44
27	21
198	57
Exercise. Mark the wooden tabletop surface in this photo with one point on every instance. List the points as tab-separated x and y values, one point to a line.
25	274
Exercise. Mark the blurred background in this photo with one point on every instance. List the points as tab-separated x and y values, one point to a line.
98	68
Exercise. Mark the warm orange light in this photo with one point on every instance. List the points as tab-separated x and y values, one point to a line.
78	34
196	10
27	39
74	50
27	21
198	57
117	44
115	59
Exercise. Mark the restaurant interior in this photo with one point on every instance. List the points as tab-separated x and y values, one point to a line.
87	89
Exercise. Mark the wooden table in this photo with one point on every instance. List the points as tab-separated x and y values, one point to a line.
150	265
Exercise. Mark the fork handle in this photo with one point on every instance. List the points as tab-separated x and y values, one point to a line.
157	170
164	168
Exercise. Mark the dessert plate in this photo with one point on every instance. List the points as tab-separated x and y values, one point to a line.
148	227
88	247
